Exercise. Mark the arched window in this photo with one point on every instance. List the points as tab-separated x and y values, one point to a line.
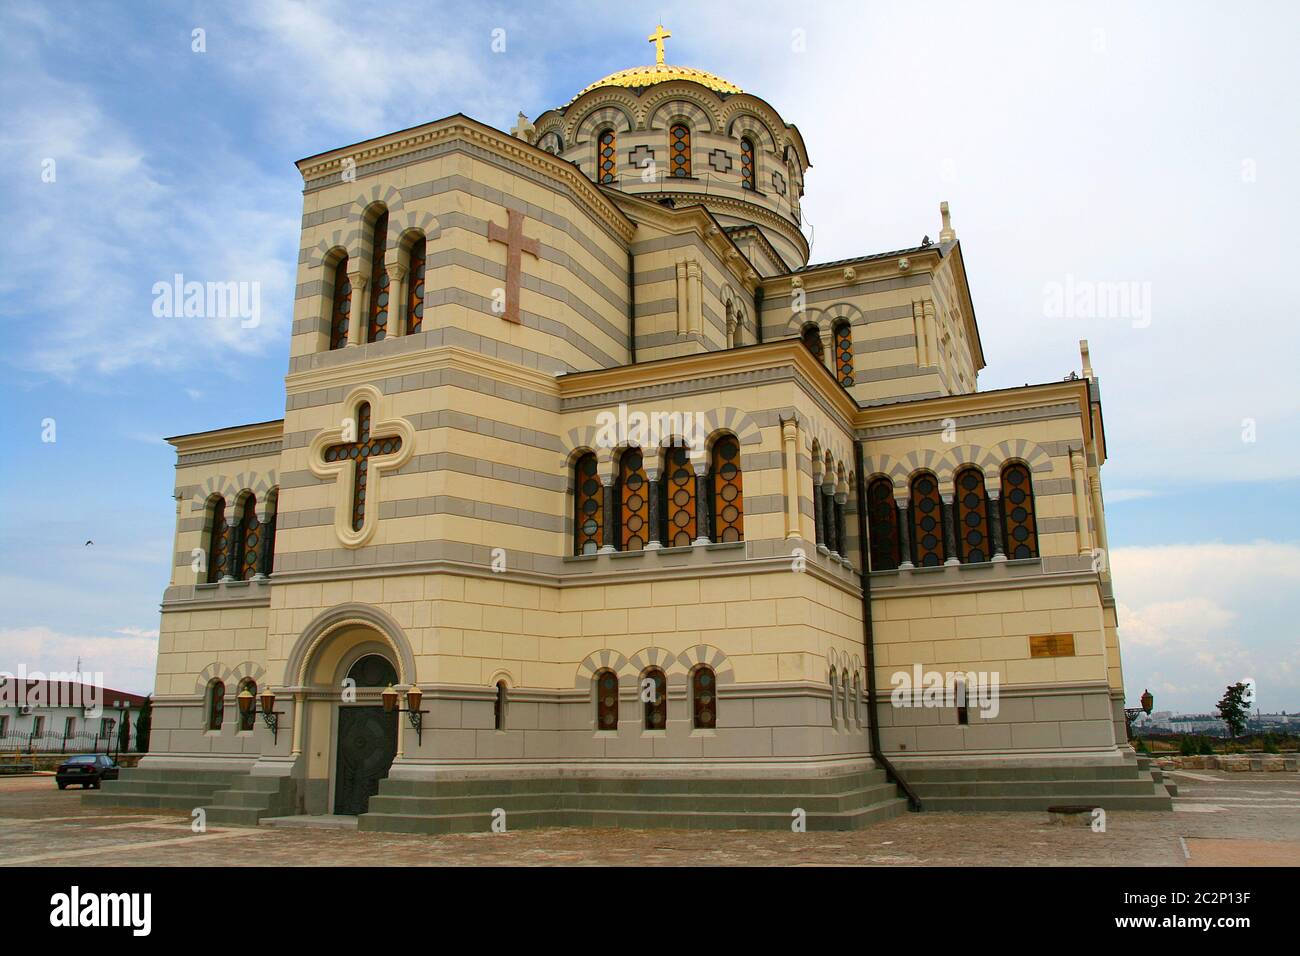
246	719
1018	521
267	564
588	506
704	698
634	501
654	694
415	287
748	176
844	353
813	340
216	705
678	497
606	157
927	521
882	518
679	151
606	682
377	330
844	686
218	539
372	670
972	516
249	540
728	493
835	698
855	703
499	707
341	309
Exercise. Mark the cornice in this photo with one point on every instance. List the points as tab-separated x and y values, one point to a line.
221	439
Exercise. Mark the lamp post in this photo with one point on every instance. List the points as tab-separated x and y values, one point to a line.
248	707
412	709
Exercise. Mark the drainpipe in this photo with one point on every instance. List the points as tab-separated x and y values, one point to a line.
758	313
868	636
631	307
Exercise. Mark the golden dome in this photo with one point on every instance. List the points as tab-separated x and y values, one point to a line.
662	73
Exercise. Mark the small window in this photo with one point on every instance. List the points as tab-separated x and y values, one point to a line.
606	157
373	670
835	698
415	287
679	497
216	705
1018	521
341	305
654	695
606	683
588	506
728	497
679	151
812	340
704	698
844	353
70	727
927	521
747	173
499	707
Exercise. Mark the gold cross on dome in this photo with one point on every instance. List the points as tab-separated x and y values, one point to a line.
658	38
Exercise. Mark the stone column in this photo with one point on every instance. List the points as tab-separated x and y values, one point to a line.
358	317
655	503
681	297
950	531
995	525
1099	521
904	536
703	533
299	712
1080	481
607	526
396	299
790	441
695	297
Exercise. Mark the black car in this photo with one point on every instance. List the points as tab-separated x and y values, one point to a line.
87	770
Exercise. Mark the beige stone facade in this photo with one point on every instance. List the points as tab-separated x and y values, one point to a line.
680	295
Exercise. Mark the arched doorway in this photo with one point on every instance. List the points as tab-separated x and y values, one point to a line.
367	736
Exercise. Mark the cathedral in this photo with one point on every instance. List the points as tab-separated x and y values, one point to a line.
595	503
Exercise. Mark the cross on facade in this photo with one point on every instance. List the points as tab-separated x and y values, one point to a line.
361	452
658	38
516	244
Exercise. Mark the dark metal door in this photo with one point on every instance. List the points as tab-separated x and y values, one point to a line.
367	745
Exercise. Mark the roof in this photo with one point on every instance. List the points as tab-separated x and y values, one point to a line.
641	76
875	255
69	694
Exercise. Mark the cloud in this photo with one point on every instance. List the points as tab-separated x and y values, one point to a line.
1195	618
1129	494
126	657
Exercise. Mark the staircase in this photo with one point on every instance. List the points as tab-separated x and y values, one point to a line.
160	789
846	802
1158	775
248	799
1112	787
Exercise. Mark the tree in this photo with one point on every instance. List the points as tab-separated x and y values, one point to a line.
1233	707
142	725
124	733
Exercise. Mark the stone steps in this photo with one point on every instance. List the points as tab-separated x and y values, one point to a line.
149	789
250	798
1127	786
1008	802
831	803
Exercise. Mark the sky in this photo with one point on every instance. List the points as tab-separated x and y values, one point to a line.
1144	149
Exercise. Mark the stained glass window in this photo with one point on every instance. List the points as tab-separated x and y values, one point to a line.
728	493
927	521
216	705
656	708
1018	512
606	700
249	540
588	506
679	498
882	517
634	501
378	328
747	176
606	157
415	288
360	452
246	719
844	353
704	698
813	340
218	540
679	151
342	307
972	516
